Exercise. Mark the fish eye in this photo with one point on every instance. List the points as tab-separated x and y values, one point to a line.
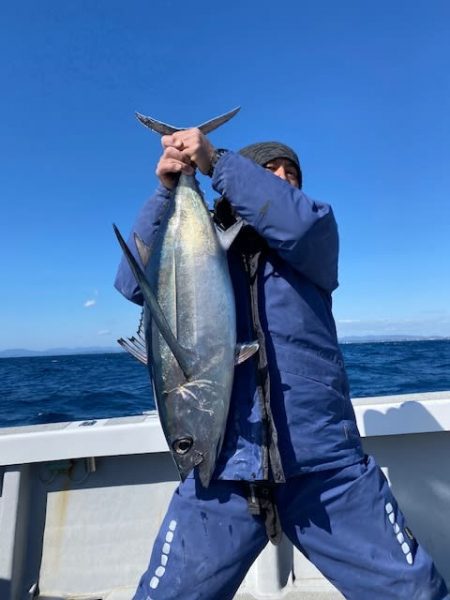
182	445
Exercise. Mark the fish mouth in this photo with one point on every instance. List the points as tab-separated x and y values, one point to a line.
187	463
204	464
205	476
206	469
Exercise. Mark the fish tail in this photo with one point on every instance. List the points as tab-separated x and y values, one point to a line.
206	127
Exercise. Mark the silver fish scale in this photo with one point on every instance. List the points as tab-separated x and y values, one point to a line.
188	272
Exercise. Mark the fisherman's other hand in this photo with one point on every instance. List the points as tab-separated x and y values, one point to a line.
173	162
193	144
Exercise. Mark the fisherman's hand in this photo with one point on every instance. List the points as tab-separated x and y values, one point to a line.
171	164
192	144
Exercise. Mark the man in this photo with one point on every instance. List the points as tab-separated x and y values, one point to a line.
292	457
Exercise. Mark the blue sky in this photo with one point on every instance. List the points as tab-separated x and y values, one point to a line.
360	89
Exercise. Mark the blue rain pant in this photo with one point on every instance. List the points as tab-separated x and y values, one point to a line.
345	521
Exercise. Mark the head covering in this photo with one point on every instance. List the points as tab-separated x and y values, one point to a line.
263	152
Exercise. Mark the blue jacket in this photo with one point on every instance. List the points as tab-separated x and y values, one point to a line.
290	408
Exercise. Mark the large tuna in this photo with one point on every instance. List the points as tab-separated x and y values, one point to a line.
189	323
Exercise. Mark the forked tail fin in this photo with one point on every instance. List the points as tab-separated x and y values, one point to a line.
166	129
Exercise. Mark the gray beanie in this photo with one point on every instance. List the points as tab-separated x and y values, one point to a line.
263	152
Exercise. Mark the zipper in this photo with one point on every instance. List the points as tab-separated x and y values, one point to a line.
271	461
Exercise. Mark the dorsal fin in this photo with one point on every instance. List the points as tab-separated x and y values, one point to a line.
133	349
166	129
140	330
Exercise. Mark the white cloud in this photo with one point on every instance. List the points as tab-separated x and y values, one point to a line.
346	321
91	301
103	332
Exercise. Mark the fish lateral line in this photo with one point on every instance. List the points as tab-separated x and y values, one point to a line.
186	359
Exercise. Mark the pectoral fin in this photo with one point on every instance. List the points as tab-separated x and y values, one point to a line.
227	236
185	358
245	351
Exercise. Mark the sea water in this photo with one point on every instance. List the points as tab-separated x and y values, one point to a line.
48	389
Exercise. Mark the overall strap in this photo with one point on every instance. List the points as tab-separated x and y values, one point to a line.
261	503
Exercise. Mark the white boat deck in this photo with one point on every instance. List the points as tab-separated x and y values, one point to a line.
81	502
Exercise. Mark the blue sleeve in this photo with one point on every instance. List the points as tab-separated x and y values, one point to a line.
301	230
146	226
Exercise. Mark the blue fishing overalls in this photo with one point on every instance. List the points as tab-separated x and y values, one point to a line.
346	521
291	431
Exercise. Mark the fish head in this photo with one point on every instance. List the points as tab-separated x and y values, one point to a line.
185	453
189	453
196	430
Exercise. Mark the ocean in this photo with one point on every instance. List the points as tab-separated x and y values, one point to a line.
49	389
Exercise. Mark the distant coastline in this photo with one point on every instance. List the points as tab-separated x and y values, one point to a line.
363	339
25	353
375	339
